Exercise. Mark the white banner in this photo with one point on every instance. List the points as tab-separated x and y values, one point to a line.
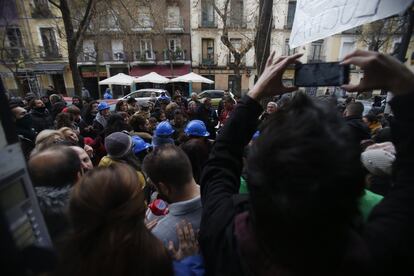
317	19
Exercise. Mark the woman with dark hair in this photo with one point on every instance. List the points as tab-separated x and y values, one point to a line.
116	123
90	112
109	234
121	106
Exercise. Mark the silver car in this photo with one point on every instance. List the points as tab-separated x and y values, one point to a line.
145	95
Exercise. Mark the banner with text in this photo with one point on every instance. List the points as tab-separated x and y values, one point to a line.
317	19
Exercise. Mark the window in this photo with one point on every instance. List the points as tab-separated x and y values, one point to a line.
174	17
112	21
14	37
207	13
144	18
288	50
236	13
208	51
41	9
117	49
236	42
174	44
49	42
316	51
347	48
206	86
89	50
146	48
290	14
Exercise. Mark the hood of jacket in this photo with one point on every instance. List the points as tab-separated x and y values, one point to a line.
53	200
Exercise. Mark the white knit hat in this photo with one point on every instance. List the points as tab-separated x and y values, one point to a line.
378	161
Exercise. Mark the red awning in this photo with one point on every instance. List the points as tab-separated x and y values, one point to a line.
163	70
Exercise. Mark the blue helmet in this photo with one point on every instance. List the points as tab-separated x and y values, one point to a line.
139	144
164	129
103	106
196	128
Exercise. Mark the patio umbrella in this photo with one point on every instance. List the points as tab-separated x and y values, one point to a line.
192	77
118	79
153	78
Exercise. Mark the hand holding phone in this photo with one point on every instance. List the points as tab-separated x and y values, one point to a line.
321	74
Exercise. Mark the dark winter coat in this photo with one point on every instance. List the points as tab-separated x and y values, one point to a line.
227	241
41	120
358	127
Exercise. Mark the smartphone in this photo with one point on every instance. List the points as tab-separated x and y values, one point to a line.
321	74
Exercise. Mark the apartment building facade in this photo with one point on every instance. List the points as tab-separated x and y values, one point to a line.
149	37
33	50
211	58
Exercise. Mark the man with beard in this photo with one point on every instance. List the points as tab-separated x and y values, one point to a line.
41	117
209	116
24	128
170	171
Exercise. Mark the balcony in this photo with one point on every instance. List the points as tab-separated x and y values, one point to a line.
208	60
16	53
177	56
230	60
143	26
41	11
145	58
87	57
175	26
49	54
237	23
110	56
207	23
316	59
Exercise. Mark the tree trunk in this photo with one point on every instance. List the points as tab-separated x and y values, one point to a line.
237	81
73	63
72	46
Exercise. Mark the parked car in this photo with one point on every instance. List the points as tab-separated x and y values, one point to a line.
215	96
144	95
110	102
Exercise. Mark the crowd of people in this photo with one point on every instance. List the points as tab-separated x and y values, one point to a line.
176	187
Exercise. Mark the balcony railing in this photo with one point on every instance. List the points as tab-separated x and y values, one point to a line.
145	57
240	23
207	23
16	53
108	56
208	59
143	26
87	57
176	25
315	59
49	54
177	56
231	59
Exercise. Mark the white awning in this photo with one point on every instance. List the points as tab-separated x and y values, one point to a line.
119	79
192	77
153	78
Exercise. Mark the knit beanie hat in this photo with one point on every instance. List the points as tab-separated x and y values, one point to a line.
118	144
378	161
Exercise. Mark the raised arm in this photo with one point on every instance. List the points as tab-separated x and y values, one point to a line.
390	228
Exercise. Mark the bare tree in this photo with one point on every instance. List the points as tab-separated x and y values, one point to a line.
378	34
74	38
238	53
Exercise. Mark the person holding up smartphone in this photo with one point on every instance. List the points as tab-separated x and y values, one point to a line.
305	179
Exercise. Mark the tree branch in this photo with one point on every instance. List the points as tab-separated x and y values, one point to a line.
84	23
54	4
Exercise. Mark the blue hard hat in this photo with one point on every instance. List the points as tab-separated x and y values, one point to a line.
164	129
196	128
102	106
139	144
256	135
